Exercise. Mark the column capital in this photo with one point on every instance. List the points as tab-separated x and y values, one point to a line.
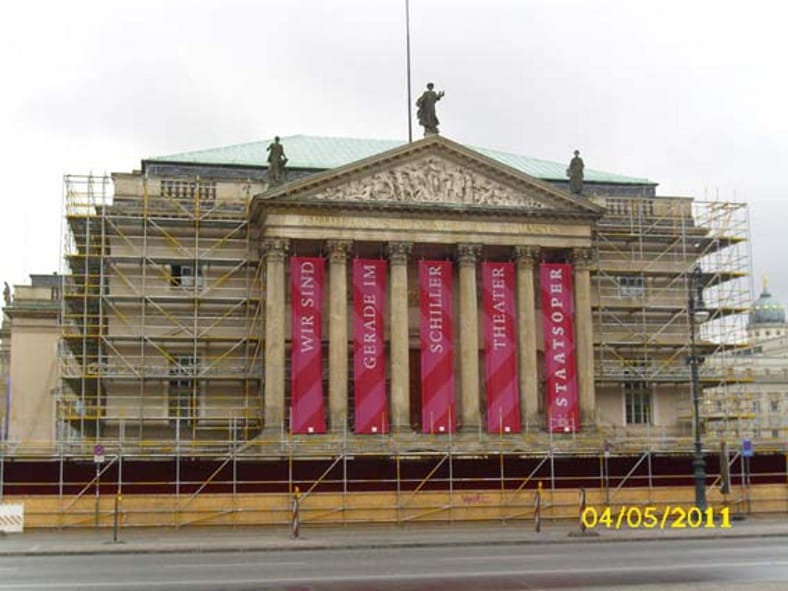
338	250
275	249
583	258
467	254
527	256
398	252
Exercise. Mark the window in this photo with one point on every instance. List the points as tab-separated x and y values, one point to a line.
182	393
631	286
186	276
191	276
637	401
774	405
756	406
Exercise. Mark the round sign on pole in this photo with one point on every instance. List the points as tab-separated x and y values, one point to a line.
98	454
746	448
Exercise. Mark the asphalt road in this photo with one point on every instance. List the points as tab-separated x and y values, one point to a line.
760	563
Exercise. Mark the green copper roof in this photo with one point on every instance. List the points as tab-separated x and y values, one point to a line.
767	310
323	153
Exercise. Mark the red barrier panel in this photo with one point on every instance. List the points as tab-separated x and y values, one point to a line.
369	366
559	347
437	357
500	346
307	412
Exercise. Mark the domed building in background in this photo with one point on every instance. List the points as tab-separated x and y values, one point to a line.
756	407
767	318
768	366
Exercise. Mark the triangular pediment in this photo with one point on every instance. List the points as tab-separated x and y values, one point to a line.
434	172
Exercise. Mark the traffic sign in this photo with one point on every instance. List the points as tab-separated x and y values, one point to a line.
98	454
746	448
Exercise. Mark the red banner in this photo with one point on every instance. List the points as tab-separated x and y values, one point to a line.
307	410
500	345
437	359
369	304
559	347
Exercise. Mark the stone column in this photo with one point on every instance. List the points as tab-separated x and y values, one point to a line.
399	347
469	336
584	337
274	251
337	334
527	257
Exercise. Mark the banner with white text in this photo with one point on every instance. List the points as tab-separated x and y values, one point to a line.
559	347
369	363
307	413
500	346
437	358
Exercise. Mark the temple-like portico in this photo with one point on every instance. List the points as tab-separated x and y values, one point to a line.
431	201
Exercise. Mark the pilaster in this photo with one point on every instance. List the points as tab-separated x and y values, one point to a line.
274	251
467	255
527	258
337	334
584	337
399	336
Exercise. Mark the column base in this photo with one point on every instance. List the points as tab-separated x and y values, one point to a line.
470	428
273	431
588	421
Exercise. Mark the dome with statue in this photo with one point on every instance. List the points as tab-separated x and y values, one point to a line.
766	309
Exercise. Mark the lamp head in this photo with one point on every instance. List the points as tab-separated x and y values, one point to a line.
700	315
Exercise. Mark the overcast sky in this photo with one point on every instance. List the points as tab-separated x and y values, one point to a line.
691	94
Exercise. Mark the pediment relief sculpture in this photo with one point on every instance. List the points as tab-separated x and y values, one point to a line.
433	180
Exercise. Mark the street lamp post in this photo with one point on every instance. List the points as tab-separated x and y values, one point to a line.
697	315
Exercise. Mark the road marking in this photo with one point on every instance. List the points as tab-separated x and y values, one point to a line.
229	564
502	557
382	577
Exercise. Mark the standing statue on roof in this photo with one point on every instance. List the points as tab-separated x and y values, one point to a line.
575	174
276	162
6	293
426	112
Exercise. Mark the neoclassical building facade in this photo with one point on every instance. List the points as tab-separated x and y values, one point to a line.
419	292
430	202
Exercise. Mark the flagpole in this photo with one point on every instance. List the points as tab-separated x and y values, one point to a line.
407	45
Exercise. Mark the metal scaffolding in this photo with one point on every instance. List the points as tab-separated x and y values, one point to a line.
646	250
243	487
161	311
161	318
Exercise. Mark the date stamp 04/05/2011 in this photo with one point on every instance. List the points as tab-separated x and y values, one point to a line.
669	517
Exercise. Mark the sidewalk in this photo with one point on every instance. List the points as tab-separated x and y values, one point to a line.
313	537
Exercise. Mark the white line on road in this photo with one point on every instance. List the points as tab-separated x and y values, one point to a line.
500	557
230	564
528	555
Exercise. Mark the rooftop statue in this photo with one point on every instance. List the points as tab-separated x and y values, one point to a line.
426	112
276	162
6	294
575	174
